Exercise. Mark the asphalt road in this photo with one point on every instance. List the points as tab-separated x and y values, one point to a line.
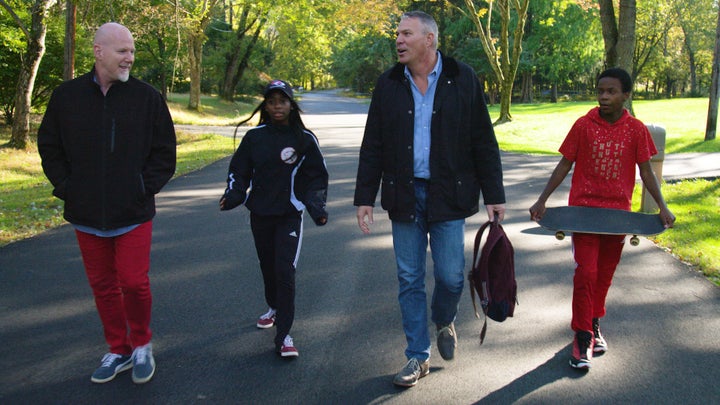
662	325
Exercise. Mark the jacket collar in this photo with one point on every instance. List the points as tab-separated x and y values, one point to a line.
90	78
449	68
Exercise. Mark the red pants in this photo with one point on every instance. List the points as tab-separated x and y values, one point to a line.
597	257
117	269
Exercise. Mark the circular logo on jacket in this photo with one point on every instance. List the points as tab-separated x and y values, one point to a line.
288	155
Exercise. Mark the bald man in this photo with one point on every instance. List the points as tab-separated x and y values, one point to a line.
107	144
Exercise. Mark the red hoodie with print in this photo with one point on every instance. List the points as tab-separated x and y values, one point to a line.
605	157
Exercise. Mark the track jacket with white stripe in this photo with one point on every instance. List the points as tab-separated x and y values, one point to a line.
272	178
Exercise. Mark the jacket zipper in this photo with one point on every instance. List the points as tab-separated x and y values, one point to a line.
103	164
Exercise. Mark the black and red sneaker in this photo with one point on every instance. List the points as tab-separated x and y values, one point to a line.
599	343
582	350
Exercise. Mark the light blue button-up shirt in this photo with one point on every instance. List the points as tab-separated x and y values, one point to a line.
423	118
110	233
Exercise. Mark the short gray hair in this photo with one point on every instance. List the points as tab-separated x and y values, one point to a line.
427	21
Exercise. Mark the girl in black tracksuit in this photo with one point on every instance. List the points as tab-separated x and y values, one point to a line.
278	172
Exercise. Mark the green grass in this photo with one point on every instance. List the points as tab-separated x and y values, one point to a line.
694	238
213	111
27	207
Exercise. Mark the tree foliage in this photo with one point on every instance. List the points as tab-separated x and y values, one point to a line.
363	43
564	45
504	51
33	34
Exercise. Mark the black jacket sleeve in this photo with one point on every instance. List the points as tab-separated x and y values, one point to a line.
370	165
55	162
160	164
239	176
312	182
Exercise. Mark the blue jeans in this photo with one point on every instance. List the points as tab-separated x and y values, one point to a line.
410	241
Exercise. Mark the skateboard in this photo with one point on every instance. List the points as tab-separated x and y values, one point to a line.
602	221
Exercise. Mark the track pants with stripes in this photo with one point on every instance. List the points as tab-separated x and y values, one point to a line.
277	241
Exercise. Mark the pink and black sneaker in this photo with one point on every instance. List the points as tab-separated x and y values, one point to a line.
582	350
599	344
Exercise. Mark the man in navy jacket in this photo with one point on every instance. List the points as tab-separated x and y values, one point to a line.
107	144
429	141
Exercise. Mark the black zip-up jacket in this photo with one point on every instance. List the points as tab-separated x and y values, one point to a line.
107	155
280	179
464	154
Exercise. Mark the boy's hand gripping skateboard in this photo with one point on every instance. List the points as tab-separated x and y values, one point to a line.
601	220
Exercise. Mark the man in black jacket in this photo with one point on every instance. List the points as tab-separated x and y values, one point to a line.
430	142
107	144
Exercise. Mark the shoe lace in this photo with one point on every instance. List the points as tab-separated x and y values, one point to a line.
413	365
108	359
269	314
288	342
141	354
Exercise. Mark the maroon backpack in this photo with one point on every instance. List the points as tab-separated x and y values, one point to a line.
492	276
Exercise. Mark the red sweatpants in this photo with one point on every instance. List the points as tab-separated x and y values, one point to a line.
597	257
117	270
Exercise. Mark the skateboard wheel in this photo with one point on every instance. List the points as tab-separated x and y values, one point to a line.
634	240
559	235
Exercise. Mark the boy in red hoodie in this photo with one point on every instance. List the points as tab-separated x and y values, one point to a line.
605	145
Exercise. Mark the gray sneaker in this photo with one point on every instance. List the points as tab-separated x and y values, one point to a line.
143	364
111	365
412	372
447	341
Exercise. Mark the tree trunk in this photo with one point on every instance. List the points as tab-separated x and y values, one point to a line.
694	92
35	37
619	38
711	127
246	57
163	67
503	60
609	31
232	57
626	35
227	90
506	86
196	41
527	87
195	48
237	63
69	56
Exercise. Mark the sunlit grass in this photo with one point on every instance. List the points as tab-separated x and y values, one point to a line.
694	238
213	110
26	204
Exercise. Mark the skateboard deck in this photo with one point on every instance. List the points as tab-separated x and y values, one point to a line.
601	221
